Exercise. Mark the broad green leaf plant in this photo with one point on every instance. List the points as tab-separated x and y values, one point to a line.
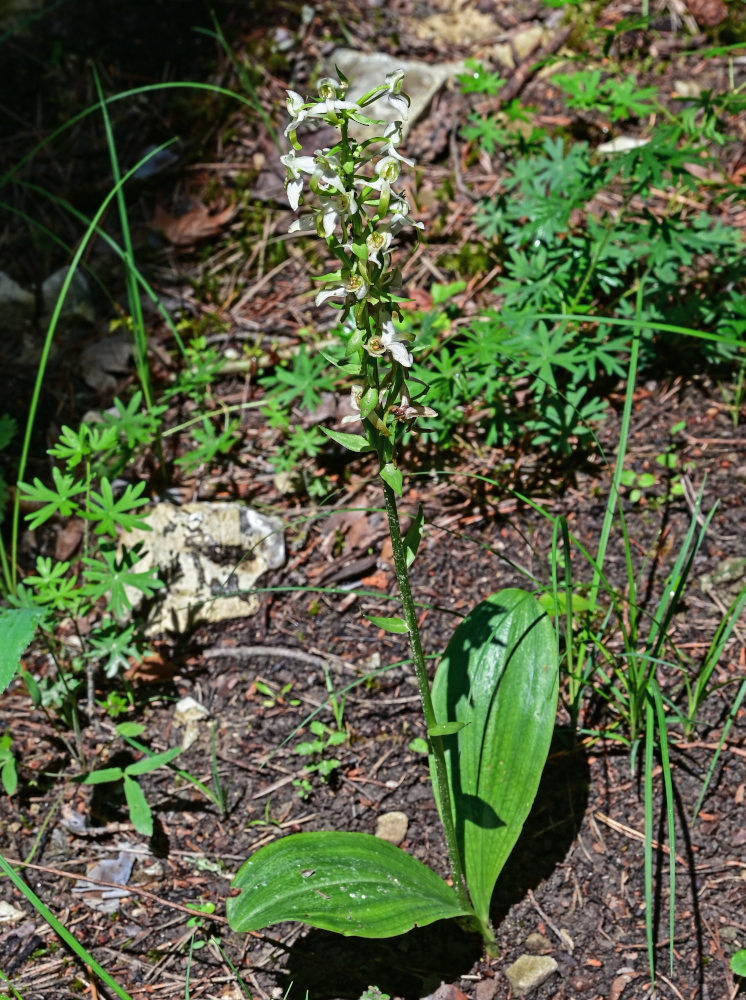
491	709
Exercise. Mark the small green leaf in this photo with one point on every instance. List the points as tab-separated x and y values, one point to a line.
442	293
413	536
140	814
9	776
34	691
17	627
133	729
353	442
392	476
397	625
104	775
446	728
368	402
151	763
418	745
738	963
349	883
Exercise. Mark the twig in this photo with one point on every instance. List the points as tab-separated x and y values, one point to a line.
566	940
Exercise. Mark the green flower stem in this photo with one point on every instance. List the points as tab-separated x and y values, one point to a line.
423	683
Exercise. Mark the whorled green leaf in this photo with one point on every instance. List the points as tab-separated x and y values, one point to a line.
17	627
499	675
350	883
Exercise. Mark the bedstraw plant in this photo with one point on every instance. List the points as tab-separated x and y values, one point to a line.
490	711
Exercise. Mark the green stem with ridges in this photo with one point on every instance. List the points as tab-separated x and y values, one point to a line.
423	684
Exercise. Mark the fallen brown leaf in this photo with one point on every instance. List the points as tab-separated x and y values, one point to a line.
194	225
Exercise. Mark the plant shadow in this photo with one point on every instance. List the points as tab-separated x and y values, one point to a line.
325	965
551	826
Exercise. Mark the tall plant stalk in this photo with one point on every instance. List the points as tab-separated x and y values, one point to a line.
423	685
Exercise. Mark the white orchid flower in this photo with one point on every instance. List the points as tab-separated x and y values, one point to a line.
406	410
296	166
356	394
296	109
352	284
393	133
393	341
303	224
378	242
396	99
335	209
330	107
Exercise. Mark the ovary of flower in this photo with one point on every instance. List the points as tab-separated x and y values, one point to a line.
334	209
393	341
296	166
352	284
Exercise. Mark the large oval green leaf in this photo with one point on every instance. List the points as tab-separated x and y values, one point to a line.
350	883
17	627
499	679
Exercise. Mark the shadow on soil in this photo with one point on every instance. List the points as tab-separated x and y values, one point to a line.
413	965
551	826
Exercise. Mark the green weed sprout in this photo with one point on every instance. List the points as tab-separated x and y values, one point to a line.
490	711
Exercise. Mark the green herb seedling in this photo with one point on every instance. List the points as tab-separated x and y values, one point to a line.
8	771
139	810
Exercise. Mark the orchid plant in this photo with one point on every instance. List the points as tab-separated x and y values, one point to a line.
490	710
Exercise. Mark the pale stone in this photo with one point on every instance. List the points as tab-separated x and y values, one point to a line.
366	70
536	944
528	972
209	555
77	305
8	913
392	826
17	306
189	715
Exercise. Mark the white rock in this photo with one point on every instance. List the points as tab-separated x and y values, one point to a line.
528	972
17	306
209	556
8	913
77	304
392	826
189	715
366	70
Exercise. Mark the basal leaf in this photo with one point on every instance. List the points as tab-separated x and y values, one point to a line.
17	627
350	883
499	676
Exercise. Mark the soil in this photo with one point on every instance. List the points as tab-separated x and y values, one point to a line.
576	876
